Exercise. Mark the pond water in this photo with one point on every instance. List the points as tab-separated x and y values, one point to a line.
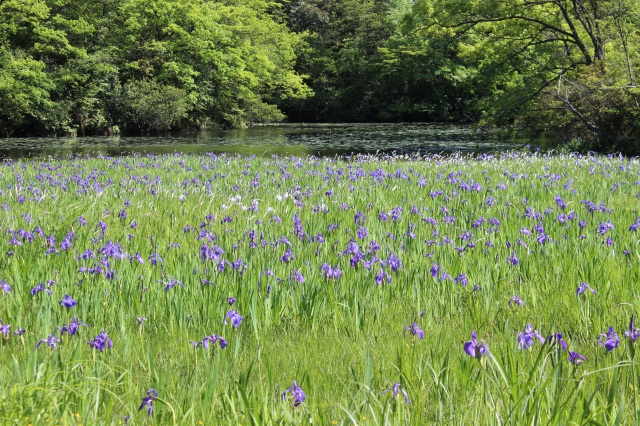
288	139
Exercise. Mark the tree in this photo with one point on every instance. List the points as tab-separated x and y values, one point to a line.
24	91
232	59
544	64
341	57
71	65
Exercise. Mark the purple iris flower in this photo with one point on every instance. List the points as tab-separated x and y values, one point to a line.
633	332
212	340
560	202
557	338
52	341
415	330
610	340
395	389
72	328
381	276
475	349
138	257
395	263
88	254
39	288
67	302
584	287
4	286
575	358
5	328
222	342
103	227
462	280
525	340
516	301
19	331
330	272
114	250
101	342
147	401
231	300
67	243
298	276
170	283
604	227
211	253
362	232
434	270
239	265
154	258
235	318
296	392
357	258
288	256
141	320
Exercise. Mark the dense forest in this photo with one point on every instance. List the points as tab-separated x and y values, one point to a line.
139	66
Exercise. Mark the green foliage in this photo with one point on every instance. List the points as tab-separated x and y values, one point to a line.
341	58
152	107
97	65
24	91
491	62
550	65
560	65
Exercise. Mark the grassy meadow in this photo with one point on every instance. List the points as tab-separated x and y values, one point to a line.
184	289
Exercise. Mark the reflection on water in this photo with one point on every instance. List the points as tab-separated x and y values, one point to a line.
291	139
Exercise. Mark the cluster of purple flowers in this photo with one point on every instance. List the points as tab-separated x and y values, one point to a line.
331	272
609	340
